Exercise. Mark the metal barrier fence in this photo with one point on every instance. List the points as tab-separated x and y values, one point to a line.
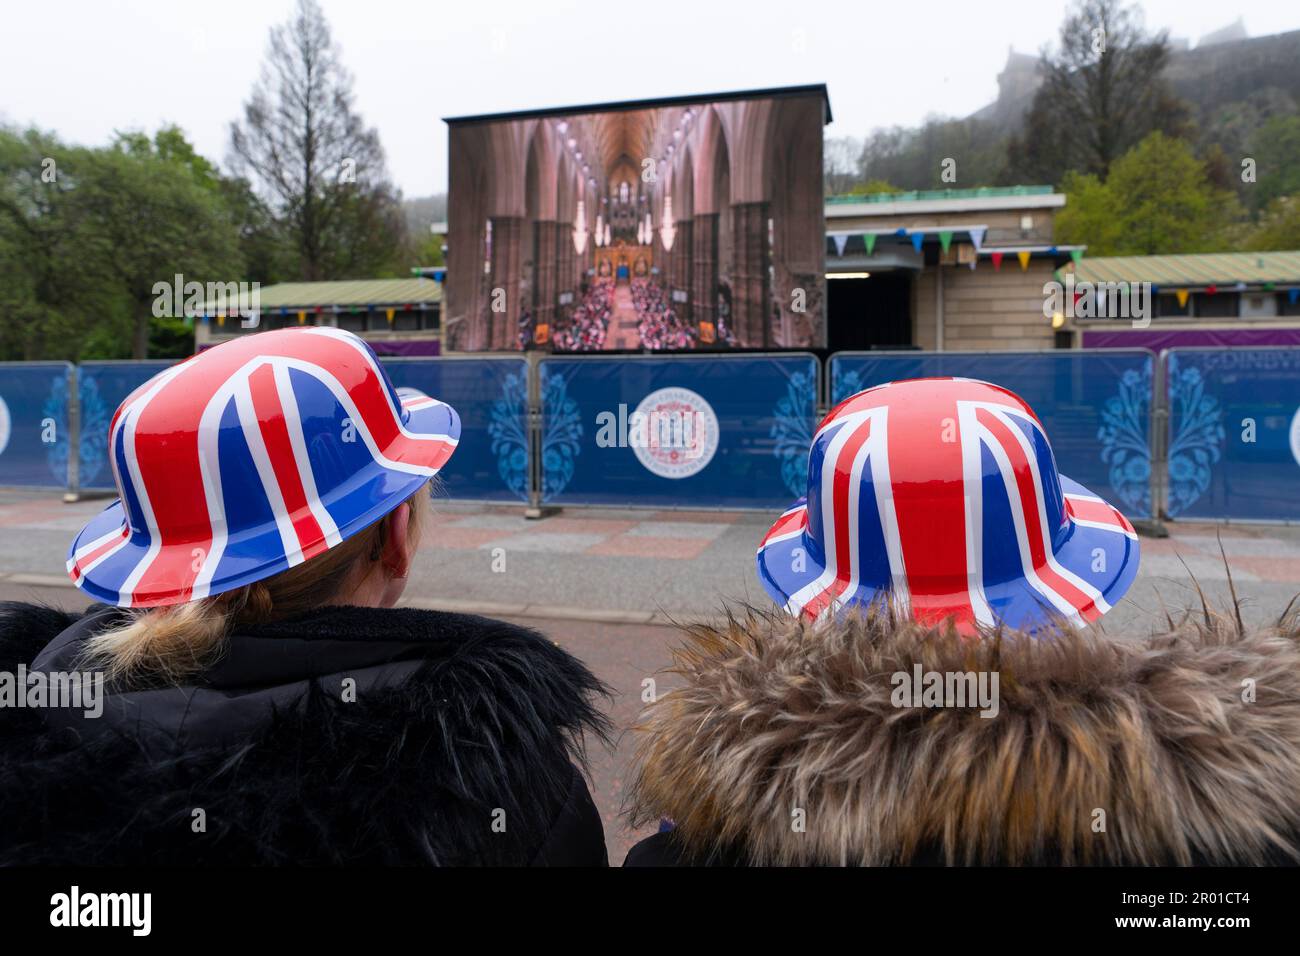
703	431
1095	405
36	431
1233	435
1197	433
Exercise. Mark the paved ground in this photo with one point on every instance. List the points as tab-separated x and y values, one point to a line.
604	584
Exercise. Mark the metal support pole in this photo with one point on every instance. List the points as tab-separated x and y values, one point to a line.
73	491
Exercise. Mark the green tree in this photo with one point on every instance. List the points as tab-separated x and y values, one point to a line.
53	291
1275	147
1157	199
1279	227
155	217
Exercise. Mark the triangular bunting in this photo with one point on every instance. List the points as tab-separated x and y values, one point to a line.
1023	256
977	237
841	240
945	239
1181	295
997	261
1076	255
869	240
917	239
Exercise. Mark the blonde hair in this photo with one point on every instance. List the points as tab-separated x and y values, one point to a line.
168	644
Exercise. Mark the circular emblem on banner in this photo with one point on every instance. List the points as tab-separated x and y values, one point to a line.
5	425
674	432
1295	436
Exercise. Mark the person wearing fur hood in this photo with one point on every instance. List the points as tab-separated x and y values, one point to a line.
787	746
936	688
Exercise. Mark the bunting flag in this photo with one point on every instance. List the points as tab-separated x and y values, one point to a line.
945	239
1023	256
841	241
302	317
389	314
1076	255
1181	295
976	239
1211	289
1240	287
869	240
1268	287
1292	295
917	239
997	261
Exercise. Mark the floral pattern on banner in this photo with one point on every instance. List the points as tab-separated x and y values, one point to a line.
561	434
508	429
1124	444
93	447
1196	437
793	430
846	384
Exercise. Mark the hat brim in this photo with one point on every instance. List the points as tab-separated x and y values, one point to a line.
1101	552
106	554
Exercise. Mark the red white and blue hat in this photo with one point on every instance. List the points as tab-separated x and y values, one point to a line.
253	457
942	496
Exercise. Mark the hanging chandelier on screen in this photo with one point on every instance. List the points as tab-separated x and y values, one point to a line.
667	232
580	228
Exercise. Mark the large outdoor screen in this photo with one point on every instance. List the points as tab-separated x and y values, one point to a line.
677	224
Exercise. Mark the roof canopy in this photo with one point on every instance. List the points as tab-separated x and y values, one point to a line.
1216	268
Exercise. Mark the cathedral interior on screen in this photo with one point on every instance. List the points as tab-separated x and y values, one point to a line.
664	225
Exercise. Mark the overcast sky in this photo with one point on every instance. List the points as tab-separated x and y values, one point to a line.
99	65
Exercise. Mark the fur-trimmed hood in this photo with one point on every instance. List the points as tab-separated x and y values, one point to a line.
787	745
345	736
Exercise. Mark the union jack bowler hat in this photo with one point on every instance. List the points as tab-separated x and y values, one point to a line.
941	496
250	458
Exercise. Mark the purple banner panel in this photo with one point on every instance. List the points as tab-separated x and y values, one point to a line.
1157	340
417	348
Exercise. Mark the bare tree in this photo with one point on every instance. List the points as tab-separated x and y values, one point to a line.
1103	91
317	164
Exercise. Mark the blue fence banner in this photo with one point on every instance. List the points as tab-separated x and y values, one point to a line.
102	386
1095	406
687	431
491	462
34	433
1234	433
